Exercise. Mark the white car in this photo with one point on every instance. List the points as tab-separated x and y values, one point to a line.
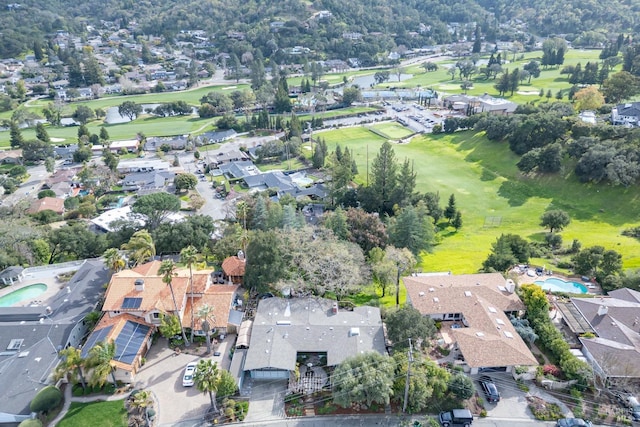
187	379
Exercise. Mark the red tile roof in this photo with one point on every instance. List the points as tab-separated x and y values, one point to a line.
233	266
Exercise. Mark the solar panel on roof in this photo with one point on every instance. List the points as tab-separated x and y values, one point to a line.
129	341
94	338
131	303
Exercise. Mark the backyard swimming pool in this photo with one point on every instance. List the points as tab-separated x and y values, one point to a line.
23	294
554	284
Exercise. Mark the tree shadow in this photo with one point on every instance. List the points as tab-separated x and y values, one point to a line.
515	192
488	175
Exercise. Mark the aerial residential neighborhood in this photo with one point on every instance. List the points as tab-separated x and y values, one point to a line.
319	213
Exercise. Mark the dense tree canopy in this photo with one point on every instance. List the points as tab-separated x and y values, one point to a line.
366	378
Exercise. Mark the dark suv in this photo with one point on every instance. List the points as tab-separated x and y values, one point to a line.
490	389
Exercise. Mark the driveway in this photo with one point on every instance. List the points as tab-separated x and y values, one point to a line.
513	401
266	401
162	374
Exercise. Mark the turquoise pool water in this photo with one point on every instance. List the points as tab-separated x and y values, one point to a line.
554	284
23	294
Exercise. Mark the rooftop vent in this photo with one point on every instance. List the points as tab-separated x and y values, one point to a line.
602	310
436	299
283	322
467	293
493	310
353	332
508	334
15	344
421	294
431	290
139	285
479	334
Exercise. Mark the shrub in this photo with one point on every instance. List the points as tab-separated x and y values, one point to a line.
47	399
546	412
30	423
483	413
552	370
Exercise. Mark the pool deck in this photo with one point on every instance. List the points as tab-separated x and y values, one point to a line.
53	287
592	288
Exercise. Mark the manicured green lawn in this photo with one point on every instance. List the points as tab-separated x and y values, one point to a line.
97	414
550	79
189	96
495	198
392	130
150	126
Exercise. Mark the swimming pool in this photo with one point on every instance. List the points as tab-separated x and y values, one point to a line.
554	284
23	294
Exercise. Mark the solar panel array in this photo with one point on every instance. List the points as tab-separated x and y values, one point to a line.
129	341
96	337
131	303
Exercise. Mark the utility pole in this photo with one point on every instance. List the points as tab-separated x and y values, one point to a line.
406	385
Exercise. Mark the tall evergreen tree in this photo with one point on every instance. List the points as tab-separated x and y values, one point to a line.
41	133
406	183
450	210
477	43
15	135
384	179
282	103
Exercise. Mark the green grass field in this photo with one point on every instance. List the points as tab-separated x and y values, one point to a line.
150	126
98	414
550	79
494	198
392	130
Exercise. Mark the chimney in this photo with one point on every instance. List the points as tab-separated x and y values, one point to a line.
511	286
602	310
139	284
334	308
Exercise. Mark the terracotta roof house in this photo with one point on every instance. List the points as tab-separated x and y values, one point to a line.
478	307
614	351
47	203
136	299
313	333
233	268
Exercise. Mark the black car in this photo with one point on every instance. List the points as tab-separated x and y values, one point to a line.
490	389
573	422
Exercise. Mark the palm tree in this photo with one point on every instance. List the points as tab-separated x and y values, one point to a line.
71	365
205	314
189	255
101	360
168	271
140	247
206	379
141	401
113	260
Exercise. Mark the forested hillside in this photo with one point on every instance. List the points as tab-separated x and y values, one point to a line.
384	24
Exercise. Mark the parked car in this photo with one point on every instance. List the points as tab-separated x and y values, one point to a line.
630	402
189	371
634	408
490	389
573	422
456	417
